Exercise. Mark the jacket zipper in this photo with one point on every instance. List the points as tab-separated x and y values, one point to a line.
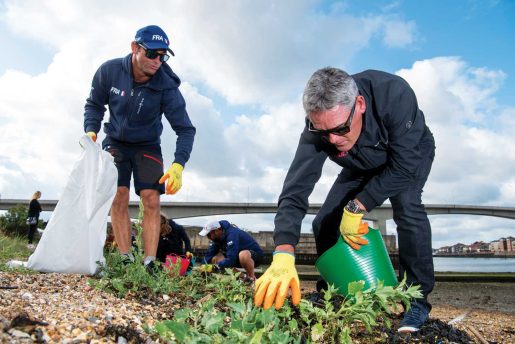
128	111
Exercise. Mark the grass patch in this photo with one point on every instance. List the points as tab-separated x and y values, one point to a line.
13	248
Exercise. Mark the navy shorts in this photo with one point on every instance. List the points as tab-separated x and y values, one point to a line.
144	161
256	257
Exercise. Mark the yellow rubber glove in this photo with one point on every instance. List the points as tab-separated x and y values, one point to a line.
174	176
352	228
92	135
273	286
208	268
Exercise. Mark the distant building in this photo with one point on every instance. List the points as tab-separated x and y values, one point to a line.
499	247
494	246
445	250
458	248
478	246
510	244
503	245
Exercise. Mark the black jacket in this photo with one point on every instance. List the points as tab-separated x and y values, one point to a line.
176	241
34	209
393	141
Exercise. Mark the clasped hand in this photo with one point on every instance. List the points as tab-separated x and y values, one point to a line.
352	229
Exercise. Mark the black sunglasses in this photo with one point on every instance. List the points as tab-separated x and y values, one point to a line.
340	130
152	54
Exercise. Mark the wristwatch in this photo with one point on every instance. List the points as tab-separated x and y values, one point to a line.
354	207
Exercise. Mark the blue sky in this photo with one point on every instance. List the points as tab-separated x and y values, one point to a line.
243	67
480	31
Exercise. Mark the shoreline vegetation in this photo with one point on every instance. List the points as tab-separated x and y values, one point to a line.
106	317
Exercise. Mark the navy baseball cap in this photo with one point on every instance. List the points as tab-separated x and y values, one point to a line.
153	37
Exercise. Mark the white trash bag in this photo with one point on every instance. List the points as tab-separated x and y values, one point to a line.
74	238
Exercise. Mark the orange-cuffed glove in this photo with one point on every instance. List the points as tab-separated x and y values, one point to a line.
174	176
352	229
93	135
273	286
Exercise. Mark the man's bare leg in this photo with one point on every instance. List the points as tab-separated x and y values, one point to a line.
151	221
120	220
247	263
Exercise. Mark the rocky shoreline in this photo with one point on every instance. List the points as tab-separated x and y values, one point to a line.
59	308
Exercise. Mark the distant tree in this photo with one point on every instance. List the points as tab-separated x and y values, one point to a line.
13	222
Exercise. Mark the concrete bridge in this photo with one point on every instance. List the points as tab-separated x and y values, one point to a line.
379	216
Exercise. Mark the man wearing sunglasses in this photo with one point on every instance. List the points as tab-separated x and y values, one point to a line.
138	89
369	124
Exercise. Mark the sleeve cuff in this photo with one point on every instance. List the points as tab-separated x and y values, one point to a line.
367	200
286	239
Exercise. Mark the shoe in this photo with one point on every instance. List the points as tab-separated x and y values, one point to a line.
31	246
414	318
317	299
321	285
153	268
127	258
127	261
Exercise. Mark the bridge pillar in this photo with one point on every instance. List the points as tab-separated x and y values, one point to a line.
381	225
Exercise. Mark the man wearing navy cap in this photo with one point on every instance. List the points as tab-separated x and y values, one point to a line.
138	89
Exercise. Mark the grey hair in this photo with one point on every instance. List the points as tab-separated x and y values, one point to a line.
329	87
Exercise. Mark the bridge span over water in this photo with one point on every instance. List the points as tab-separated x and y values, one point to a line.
379	215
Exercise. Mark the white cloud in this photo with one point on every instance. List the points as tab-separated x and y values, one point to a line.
399	33
242	52
460	108
258	54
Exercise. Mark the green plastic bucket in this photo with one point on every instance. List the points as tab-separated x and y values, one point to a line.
341	264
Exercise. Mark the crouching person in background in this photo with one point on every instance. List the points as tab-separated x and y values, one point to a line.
172	240
231	247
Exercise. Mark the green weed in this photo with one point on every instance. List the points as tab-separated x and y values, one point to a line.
217	307
218	320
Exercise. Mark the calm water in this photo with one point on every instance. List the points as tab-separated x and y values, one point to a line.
474	264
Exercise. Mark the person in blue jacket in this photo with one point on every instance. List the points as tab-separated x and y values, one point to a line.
370	124
231	247
138	89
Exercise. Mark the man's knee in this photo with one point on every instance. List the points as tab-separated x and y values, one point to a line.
408	207
121	199
150	199
245	257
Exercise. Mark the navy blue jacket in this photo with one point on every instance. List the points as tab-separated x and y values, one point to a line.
233	241
136	111
393	141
